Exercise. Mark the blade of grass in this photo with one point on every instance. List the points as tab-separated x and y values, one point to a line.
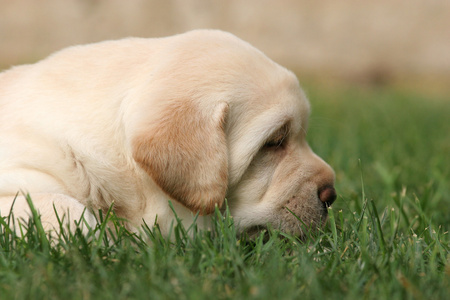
379	229
44	243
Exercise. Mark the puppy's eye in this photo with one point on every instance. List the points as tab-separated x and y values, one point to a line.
275	143
279	139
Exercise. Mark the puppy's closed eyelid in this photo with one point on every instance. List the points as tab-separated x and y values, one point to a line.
273	144
277	142
280	136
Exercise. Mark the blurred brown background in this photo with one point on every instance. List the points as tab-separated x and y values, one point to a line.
363	42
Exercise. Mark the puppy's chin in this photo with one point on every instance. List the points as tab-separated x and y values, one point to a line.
255	231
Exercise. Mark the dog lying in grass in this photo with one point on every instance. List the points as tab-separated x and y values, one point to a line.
194	118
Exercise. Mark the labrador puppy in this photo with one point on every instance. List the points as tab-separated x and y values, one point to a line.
193	119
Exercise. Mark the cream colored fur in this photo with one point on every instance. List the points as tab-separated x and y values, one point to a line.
138	122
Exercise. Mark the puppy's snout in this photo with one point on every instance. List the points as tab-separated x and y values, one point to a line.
327	194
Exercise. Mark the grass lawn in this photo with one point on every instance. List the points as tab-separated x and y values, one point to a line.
386	238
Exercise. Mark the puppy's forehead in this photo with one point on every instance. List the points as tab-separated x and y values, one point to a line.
275	97
222	67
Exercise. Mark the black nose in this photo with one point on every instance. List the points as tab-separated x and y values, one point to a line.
327	194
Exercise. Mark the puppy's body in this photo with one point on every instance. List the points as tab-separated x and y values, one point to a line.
138	122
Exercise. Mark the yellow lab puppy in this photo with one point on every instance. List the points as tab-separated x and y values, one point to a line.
193	118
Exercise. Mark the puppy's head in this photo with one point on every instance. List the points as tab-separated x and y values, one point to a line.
221	120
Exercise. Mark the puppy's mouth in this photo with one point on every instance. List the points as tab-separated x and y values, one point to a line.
324	210
293	221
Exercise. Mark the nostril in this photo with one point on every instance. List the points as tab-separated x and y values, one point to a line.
327	195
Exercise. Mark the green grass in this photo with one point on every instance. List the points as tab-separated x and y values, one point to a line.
386	238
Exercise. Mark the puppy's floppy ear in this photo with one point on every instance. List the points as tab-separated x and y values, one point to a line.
184	151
